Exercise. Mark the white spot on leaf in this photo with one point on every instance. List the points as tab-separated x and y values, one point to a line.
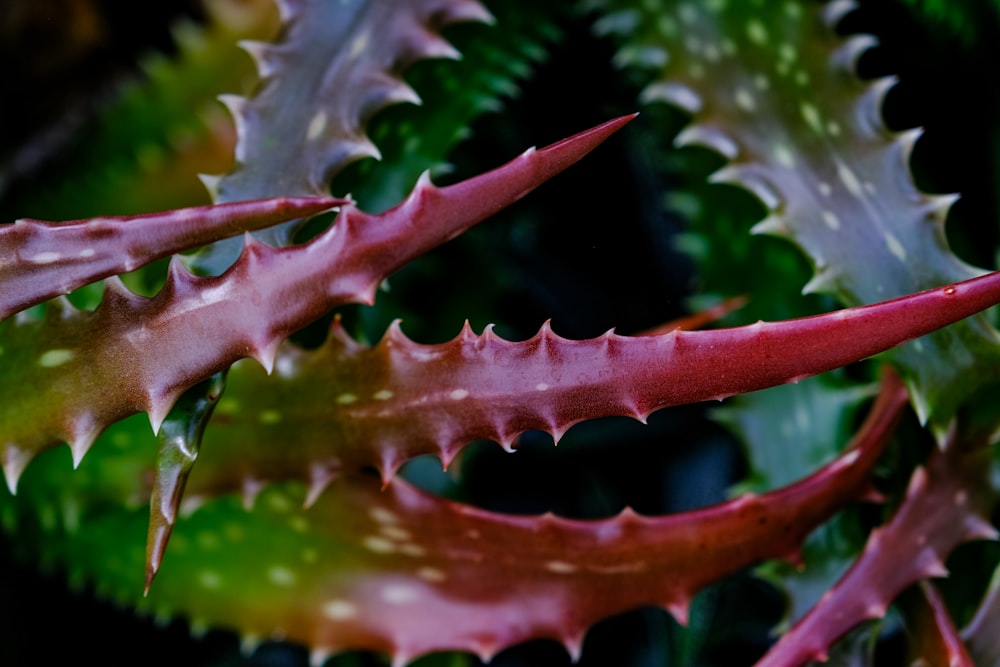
316	126
560	567
339	610
54	358
831	220
45	258
400	594
378	544
895	247
744	100
431	574
279	575
757	32
209	579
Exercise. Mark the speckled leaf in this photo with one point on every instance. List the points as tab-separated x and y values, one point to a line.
384	405
945	506
411	139
773	89
792	429
133	354
788	431
402	572
336	65
40	260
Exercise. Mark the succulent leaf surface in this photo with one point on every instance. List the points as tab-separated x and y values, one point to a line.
775	92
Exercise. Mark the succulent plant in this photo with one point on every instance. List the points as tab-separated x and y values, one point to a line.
255	445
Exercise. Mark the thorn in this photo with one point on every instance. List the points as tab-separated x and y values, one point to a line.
854	47
757	186
938	206
484	650
473	12
447	453
835	11
435	46
266	354
319	656
320	477
679	610
869	111
390	465
467	335
907	140
711	138
872	495
236	105
675	94
78	449
260	52
14	462
117	295
772	225
198	628
249	644
506	441
250	489
820	283
158	408
574	646
211	183
977	527
401	94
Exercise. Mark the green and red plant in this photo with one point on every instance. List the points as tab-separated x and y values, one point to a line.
285	494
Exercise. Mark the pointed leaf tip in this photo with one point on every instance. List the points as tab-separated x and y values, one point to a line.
15	461
588	140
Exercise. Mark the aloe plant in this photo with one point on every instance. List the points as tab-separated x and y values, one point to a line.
256	446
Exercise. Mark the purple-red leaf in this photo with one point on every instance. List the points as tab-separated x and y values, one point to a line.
133	354
944	507
933	638
383	405
41	260
403	572
335	66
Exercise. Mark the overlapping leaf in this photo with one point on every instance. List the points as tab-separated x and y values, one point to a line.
133	354
40	260
773	89
945	505
336	65
402	572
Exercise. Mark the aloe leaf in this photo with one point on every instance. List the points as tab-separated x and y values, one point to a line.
395	570
386	404
179	442
934	640
982	634
787	431
136	354
40	260
791	429
336	65
773	90
454	93
945	506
